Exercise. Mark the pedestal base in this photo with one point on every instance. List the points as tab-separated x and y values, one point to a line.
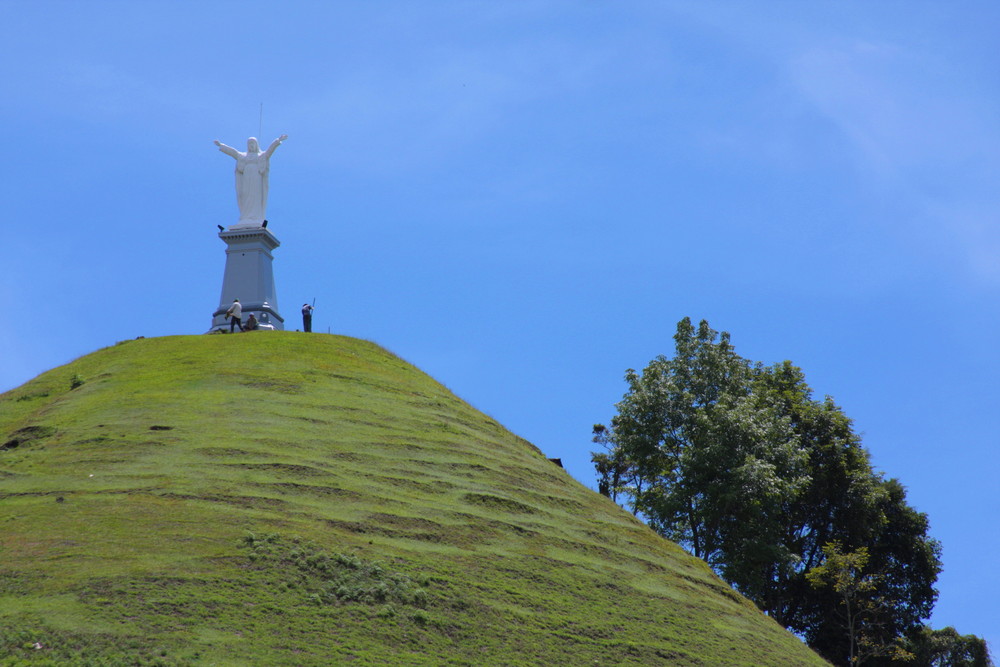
249	278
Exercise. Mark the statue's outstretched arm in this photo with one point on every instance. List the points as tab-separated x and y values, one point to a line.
228	150
274	144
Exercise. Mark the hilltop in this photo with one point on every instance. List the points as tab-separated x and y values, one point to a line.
293	499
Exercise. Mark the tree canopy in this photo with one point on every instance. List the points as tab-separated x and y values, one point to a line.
741	465
947	648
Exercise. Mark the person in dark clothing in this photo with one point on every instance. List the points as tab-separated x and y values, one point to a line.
307	317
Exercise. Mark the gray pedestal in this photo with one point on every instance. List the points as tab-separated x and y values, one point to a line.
249	278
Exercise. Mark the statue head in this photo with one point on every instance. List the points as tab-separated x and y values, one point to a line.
252	145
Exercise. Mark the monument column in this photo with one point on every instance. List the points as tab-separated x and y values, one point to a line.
249	278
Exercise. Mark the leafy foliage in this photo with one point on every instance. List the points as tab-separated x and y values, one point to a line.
739	464
946	648
861	601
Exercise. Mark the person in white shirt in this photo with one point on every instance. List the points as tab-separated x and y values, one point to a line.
235	314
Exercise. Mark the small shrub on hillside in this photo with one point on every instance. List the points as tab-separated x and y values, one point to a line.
25	642
75	381
28	397
334	578
27	435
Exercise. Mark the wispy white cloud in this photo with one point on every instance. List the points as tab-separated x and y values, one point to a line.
910	109
899	108
387	118
920	131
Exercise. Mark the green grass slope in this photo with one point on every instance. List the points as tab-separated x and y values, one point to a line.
293	499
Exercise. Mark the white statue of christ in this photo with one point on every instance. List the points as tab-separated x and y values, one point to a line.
251	179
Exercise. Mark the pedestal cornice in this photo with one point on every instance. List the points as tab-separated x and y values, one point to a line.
261	234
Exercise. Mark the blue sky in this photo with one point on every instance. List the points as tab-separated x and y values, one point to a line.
524	198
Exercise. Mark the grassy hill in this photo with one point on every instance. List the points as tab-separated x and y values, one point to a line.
294	499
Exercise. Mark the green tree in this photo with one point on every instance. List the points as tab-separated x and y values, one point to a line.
836	505
739	464
706	465
862	604
904	561
946	648
616	476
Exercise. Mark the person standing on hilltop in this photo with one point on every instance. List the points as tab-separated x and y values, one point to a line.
307	317
235	315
